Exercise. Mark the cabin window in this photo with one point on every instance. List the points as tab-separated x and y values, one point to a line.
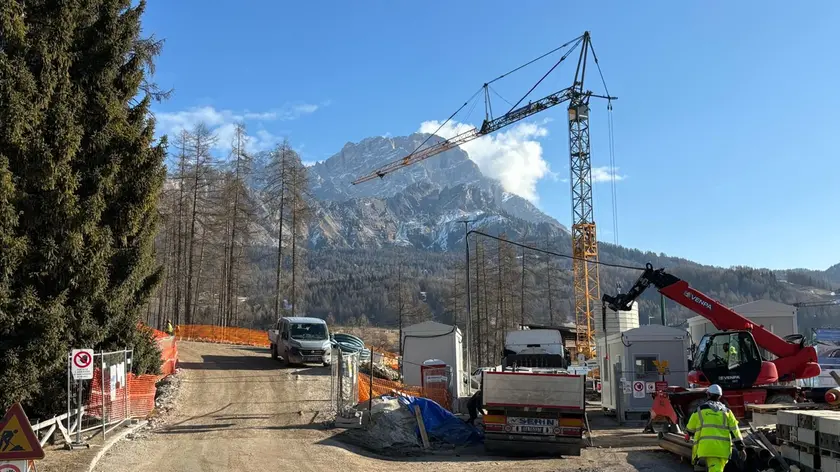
645	366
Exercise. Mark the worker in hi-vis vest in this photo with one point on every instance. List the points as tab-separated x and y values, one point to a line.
714	427
730	354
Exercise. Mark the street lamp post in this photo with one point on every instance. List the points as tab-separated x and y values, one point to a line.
468	324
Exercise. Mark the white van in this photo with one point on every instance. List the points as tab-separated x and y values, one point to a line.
300	340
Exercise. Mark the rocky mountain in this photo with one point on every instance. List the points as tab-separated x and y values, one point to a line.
418	206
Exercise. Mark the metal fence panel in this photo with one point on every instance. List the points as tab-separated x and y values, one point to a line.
103	401
344	382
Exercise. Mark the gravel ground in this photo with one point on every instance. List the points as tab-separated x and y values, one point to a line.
236	409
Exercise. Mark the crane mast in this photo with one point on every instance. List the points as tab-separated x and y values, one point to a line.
586	276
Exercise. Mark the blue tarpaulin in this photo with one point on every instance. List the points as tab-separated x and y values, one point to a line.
441	424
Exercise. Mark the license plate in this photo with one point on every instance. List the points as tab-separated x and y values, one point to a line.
532	429
312	359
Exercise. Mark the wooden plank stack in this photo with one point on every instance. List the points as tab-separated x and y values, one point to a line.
810	439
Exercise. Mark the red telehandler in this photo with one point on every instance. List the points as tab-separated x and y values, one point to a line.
729	358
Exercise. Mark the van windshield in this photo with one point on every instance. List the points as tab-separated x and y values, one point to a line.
309	331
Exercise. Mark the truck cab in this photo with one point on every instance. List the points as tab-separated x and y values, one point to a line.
300	340
537	348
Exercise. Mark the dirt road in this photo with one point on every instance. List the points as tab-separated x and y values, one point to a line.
239	410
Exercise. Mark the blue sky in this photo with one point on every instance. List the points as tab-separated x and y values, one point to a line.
723	127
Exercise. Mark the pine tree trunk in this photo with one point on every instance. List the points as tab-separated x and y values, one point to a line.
197	295
191	240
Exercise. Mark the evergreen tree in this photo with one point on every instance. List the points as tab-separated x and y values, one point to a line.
80	177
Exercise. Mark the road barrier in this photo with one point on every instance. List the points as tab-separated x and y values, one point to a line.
222	335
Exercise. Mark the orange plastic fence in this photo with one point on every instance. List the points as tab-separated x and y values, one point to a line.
385	387
135	396
168	355
142	394
218	334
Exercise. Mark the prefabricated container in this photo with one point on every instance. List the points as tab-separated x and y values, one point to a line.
630	360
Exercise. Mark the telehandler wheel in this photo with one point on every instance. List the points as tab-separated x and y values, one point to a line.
780	398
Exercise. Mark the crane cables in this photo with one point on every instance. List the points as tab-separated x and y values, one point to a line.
484	88
611	137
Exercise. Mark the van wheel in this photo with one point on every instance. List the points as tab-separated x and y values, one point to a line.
274	352
286	359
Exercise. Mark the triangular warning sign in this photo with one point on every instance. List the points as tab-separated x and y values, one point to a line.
17	440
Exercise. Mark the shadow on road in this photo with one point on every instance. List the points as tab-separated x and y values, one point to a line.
317	371
195	428
216	362
260	349
351	441
657	460
297	426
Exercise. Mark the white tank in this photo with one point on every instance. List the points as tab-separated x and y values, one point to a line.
617	322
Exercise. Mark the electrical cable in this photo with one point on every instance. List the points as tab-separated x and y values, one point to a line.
566	256
613	188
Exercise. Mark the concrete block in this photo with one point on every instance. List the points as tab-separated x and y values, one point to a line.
763	419
786	417
829	464
829	442
807	436
806	420
789	452
829	423
809	460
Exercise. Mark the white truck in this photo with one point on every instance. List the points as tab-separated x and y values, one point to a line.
300	340
534	412
537	348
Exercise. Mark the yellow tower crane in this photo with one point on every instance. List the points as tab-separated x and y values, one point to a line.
584	240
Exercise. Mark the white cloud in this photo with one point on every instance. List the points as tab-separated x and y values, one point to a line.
222	123
514	157
305	108
606	174
264	116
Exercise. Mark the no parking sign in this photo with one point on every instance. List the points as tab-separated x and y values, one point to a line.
17	466
81	364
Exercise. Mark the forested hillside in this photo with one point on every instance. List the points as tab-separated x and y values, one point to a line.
248	237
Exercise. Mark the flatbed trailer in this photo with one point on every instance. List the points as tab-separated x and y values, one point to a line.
532	412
